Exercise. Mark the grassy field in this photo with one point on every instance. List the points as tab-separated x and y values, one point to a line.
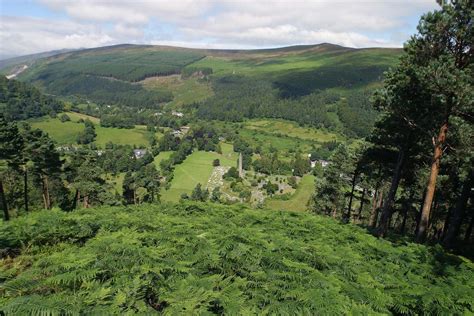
67	132
160	157
185	91
62	133
77	116
299	199
292	129
134	136
284	144
197	168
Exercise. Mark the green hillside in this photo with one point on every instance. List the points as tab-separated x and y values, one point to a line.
210	259
321	85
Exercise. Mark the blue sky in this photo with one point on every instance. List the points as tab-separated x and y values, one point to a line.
31	26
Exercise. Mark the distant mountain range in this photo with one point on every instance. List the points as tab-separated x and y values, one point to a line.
8	62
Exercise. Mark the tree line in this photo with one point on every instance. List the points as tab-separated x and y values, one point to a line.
20	101
35	174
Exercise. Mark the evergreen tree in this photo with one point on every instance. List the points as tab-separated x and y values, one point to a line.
329	197
199	194
11	147
88	135
301	165
45	160
422	97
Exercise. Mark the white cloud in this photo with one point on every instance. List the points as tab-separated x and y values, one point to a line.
212	23
22	36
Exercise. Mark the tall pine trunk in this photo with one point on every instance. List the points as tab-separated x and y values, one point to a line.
387	207
45	188
361	206
77	196
374	214
25	188
347	216
6	216
457	217
431	186
373	211
406	207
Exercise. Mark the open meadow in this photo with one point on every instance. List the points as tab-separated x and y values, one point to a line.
196	168
298	201
67	132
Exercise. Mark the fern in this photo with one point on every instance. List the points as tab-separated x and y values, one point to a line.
209	259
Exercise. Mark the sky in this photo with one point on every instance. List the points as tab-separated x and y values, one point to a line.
33	26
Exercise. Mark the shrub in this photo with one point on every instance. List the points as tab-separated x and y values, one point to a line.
64	118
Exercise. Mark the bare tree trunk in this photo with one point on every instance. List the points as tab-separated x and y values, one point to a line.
6	215
77	196
456	219
404	221
406	207
25	188
431	186
347	216
46	197
134	197
45	202
334	213
418	216
374	211
446	224
86	201
387	207
361	206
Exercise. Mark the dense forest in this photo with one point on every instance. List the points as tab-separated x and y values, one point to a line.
108	77
103	90
237	98
20	101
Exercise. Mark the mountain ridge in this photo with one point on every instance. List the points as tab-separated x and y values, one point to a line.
8	62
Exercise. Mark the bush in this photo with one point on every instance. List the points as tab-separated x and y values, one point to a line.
293	182
232	173
64	118
216	162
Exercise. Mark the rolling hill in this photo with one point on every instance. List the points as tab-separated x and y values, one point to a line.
313	66
323	86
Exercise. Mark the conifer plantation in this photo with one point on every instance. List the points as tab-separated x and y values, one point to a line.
302	180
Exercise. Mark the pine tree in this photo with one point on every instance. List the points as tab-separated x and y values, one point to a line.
329	197
45	160
11	147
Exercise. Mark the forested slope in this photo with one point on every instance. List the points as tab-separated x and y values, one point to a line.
210	259
19	101
245	83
